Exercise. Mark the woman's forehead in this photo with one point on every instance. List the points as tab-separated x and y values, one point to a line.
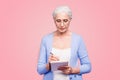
62	16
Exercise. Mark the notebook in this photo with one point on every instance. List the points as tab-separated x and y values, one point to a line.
56	64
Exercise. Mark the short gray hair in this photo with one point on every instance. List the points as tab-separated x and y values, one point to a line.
60	9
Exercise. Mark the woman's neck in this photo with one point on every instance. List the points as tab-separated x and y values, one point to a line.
63	34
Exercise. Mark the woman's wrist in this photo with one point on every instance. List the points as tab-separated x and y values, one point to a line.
75	70
48	66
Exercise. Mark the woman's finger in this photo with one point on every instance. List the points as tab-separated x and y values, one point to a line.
53	58
63	67
66	69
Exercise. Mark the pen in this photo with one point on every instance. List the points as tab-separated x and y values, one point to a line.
56	58
51	53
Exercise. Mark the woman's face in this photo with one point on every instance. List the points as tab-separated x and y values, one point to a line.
62	21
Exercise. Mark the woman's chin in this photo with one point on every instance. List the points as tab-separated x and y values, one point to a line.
62	31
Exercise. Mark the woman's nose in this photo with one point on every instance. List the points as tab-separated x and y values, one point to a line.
62	24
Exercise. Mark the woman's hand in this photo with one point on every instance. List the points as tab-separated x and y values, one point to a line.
66	69
69	70
51	58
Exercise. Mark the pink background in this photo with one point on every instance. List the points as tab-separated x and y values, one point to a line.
24	22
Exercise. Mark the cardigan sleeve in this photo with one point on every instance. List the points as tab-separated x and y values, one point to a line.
85	65
42	59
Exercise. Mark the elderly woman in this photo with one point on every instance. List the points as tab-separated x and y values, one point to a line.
65	45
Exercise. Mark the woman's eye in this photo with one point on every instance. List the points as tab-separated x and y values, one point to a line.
65	20
58	20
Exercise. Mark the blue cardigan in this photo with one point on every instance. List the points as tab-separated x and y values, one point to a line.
78	51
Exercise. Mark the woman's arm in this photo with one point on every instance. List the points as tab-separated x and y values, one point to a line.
42	60
43	64
85	66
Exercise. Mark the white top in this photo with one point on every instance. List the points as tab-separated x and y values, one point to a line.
63	55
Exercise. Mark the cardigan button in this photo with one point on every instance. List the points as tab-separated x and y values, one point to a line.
74	75
70	78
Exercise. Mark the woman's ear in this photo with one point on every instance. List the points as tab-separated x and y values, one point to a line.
54	18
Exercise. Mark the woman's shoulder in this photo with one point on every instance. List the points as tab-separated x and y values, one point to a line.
76	35
78	38
47	36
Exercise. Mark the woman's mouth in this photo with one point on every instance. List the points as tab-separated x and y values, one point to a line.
62	28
